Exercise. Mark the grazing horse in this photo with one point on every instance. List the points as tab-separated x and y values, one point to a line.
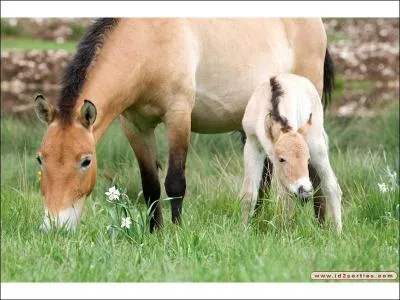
191	74
284	121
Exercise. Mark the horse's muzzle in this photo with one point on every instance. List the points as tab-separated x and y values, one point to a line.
66	219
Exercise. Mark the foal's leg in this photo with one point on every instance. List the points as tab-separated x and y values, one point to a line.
318	197
143	144
330	186
178	122
254	157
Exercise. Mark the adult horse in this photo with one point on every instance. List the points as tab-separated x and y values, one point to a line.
191	74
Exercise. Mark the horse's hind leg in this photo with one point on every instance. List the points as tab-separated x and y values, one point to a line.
143	144
178	122
319	199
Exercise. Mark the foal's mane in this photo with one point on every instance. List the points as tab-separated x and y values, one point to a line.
74	75
276	94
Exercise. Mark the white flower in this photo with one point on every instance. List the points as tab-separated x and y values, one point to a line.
126	222
383	188
113	193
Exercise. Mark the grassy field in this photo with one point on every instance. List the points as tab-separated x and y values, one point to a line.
211	244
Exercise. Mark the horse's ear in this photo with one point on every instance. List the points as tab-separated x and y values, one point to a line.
88	114
43	109
304	129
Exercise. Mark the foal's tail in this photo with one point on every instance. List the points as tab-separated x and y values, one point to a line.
329	79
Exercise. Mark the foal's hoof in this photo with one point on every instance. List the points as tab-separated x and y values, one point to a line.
338	229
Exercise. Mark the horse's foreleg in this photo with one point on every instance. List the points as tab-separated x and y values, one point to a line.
143	144
329	184
254	157
178	122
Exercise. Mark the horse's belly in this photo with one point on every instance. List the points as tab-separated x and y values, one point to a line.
220	110
213	114
229	69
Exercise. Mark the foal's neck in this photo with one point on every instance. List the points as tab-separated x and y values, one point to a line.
295	110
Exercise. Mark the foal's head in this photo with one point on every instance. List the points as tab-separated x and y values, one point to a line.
68	161
290	155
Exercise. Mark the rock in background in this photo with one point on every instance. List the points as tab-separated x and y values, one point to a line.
366	55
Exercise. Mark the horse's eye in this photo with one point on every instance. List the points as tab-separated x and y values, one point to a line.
39	160
85	163
282	160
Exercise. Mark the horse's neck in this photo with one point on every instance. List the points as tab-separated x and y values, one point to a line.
112	85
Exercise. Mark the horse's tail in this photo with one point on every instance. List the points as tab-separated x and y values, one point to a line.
329	79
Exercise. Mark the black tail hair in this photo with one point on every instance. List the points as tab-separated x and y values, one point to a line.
329	79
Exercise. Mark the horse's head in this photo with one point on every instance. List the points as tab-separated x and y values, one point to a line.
290	156
67	158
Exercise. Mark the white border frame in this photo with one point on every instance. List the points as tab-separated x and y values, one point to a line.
314	290
199	290
200	9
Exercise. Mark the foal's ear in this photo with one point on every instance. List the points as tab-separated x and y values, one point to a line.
88	114
274	128
304	129
43	109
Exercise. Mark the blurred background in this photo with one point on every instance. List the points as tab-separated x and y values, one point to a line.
365	51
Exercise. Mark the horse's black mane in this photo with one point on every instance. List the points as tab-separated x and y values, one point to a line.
277	92
75	74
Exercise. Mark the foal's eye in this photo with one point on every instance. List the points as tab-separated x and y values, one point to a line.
282	160
39	160
85	163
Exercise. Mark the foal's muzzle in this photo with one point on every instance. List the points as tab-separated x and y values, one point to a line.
303	192
302	188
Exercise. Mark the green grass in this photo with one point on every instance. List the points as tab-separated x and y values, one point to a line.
342	86
211	244
35	44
